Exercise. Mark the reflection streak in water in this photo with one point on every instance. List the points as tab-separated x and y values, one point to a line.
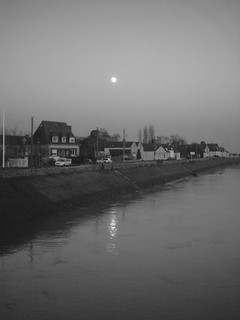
113	231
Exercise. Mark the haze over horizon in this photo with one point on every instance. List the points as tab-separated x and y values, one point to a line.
177	64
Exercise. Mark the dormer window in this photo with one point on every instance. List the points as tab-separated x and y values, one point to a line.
72	140
64	139
55	139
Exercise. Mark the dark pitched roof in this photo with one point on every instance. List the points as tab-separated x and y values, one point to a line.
48	129
148	146
213	146
57	128
118	144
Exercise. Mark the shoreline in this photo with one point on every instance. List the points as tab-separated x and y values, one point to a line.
44	193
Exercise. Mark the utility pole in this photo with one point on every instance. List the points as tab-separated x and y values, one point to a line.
32	120
123	145
97	142
3	160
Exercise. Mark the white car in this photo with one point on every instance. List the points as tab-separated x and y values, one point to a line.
107	160
63	162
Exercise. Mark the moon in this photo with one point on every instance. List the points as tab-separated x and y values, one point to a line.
113	79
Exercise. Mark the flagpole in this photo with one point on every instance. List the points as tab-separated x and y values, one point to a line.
3	161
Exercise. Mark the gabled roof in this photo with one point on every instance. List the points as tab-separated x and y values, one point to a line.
161	147
165	146
57	128
148	146
118	144
48	129
213	146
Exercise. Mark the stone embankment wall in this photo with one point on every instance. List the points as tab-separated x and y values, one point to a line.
29	193
26	172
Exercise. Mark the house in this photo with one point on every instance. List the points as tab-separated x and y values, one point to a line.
161	153
54	138
213	150
151	151
223	153
193	150
119	148
147	151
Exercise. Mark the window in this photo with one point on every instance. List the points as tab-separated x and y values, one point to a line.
55	139
73	152
72	140
54	152
64	139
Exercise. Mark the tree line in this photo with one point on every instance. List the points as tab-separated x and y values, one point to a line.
147	135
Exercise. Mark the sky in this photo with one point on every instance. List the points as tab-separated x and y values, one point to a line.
177	64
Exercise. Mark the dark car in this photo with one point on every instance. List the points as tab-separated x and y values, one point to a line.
87	161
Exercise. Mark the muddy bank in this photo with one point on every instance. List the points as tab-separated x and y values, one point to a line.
32	196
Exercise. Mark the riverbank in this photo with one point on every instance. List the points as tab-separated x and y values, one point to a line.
33	194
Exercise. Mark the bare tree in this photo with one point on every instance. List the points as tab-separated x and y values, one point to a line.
163	140
173	141
115	137
140	135
145	134
151	133
177	141
13	132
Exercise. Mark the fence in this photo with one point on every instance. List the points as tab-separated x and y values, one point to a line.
20	163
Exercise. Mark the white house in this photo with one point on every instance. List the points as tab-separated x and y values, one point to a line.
213	150
161	154
151	151
128	148
147	151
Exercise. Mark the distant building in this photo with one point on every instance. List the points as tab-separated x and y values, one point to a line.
147	151
55	139
162	153
213	150
151	151
192	150
118	149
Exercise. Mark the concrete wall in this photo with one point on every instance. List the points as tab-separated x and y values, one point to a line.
20	163
42	192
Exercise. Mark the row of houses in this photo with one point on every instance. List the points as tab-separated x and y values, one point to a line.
136	150
52	139
59	140
151	151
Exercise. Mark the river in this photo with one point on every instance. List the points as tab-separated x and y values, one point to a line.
172	253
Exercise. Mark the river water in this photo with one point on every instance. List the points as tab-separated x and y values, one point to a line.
171	253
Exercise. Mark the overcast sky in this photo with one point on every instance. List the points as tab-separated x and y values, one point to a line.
177	63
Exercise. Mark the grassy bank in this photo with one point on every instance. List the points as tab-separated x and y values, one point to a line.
30	196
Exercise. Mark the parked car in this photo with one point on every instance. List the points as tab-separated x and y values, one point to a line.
50	160
63	162
87	161
107	160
